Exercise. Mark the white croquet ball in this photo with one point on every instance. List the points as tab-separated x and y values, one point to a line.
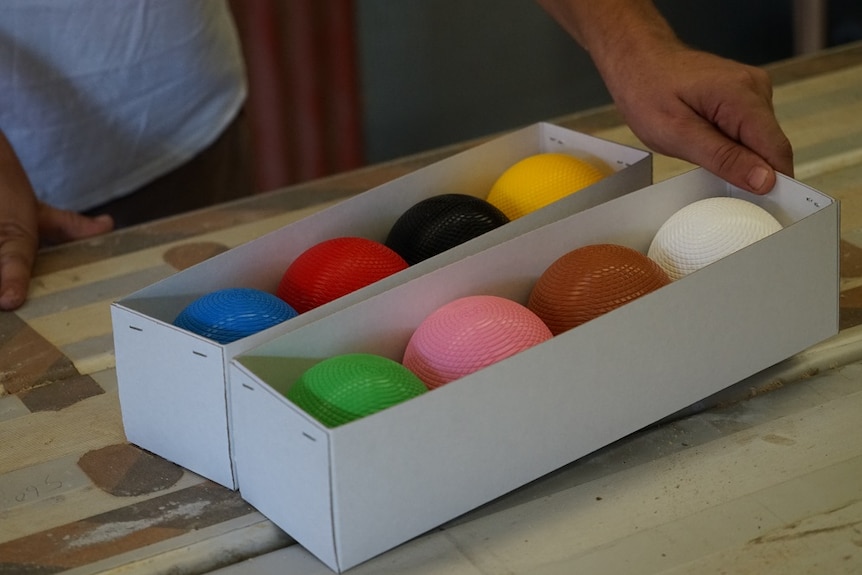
706	231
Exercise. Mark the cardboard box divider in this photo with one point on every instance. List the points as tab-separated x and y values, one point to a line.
352	492
172	383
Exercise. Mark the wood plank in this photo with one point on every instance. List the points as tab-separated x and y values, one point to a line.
724	514
58	281
125	529
601	522
57	492
817	88
845	185
75	324
48	435
197	551
735	490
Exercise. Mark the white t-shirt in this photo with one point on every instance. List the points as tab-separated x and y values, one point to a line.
99	97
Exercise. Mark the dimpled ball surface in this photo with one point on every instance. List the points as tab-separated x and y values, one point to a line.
336	267
539	180
346	387
230	314
706	231
441	222
468	334
590	281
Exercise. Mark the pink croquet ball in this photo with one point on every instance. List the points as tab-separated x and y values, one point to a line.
468	334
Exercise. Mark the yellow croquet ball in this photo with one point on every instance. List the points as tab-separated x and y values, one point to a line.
539	180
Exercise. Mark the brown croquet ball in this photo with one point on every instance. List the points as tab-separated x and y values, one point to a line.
590	281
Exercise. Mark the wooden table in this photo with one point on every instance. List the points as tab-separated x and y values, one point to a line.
765	478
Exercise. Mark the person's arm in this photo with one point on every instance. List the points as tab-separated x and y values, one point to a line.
681	102
25	222
19	238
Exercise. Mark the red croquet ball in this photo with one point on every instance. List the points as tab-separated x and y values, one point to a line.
336	267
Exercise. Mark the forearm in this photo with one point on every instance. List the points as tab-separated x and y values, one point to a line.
679	101
18	228
613	30
608	24
16	192
24	220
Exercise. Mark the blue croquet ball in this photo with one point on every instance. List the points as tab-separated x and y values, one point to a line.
230	314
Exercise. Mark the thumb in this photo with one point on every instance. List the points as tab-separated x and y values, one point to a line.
729	159
741	142
742	168
58	226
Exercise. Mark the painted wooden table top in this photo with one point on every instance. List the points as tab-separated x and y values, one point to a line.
767	481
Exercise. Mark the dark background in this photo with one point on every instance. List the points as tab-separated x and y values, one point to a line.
433	72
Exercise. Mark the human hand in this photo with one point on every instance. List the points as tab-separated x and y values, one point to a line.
20	239
708	110
26	222
685	103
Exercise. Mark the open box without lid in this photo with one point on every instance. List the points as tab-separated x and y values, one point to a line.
352	492
172	383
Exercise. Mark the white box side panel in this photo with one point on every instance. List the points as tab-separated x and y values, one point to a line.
261	262
401	472
283	465
172	395
522	418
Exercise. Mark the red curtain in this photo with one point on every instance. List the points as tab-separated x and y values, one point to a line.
303	107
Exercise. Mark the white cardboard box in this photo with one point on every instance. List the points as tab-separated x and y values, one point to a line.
172	384
352	492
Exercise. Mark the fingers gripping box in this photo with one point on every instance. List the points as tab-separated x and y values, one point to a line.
348	493
172	383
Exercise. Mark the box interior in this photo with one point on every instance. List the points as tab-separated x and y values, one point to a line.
261	263
644	212
190	370
479	437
